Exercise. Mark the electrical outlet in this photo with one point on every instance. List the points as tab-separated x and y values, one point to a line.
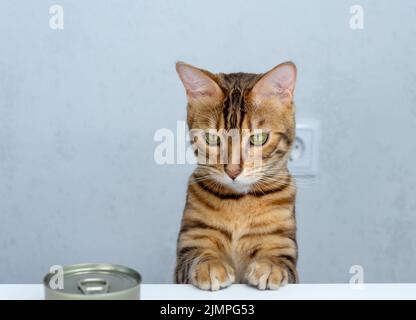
303	159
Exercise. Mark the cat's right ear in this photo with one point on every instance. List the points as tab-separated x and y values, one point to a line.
199	85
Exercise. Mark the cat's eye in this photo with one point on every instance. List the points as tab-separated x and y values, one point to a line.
259	139
212	139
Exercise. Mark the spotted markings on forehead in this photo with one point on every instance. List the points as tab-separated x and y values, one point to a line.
235	85
233	109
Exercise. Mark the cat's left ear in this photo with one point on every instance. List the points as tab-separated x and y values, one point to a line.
278	82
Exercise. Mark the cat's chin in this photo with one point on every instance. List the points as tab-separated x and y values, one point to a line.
240	185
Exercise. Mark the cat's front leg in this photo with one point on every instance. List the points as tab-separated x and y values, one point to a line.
211	274
270	273
204	268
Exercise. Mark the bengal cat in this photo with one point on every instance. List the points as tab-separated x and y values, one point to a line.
239	223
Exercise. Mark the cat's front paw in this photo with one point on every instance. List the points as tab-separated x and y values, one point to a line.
212	275
264	274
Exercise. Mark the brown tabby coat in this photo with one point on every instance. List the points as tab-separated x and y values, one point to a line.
234	232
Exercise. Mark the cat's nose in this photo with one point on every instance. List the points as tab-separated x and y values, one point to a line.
233	172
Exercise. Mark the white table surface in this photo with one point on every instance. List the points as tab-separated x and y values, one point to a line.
243	292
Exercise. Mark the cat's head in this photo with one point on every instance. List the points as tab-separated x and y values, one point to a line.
242	125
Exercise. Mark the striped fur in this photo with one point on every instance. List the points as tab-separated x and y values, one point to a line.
229	235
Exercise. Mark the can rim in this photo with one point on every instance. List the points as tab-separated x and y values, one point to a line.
94	267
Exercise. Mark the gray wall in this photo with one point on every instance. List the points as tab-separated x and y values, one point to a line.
79	108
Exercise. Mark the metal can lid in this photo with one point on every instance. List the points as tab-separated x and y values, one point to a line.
96	278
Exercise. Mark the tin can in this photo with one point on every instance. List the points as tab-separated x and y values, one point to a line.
95	281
